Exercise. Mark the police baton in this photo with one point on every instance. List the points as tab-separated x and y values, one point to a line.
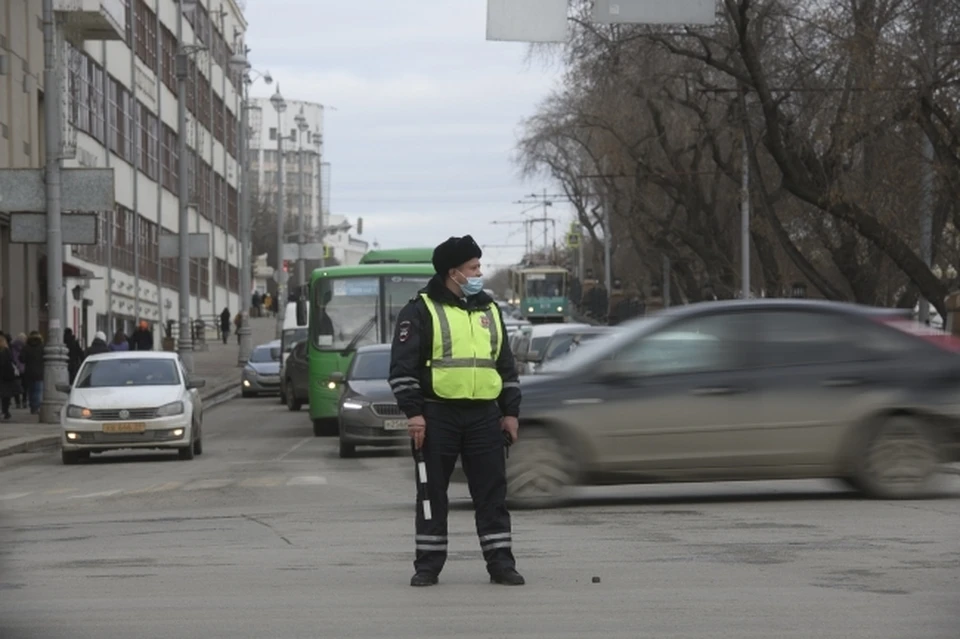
507	443
422	482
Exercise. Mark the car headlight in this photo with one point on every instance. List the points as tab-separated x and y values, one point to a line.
175	408
353	405
78	412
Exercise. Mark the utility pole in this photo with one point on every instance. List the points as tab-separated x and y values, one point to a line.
302	128
745	222
54	353
184	341
280	275
927	175
317	139
246	335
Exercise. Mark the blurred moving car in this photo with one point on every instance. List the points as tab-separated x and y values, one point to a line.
743	390
529	346
369	415
295	377
131	399
565	341
262	372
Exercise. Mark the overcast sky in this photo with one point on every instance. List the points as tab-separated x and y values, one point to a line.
427	112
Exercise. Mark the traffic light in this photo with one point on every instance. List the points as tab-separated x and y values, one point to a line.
359	226
573	240
286	266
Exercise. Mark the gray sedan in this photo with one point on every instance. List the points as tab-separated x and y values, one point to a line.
369	415
262	372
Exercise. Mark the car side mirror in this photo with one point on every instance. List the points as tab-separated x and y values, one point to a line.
196	383
336	377
64	388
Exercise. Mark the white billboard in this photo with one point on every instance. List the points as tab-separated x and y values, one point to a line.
527	20
655	11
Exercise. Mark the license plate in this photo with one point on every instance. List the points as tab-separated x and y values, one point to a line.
395	424
125	427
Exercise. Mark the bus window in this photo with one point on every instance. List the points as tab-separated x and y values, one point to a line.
545	285
399	290
347	312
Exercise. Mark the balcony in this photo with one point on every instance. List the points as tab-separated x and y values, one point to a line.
92	19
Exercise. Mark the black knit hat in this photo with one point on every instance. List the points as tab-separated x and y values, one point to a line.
454	252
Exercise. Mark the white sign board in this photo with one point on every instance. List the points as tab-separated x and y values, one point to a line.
655	11
198	246
527	20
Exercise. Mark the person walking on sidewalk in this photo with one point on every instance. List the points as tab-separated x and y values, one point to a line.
16	346
120	342
142	338
456	381
9	377
225	324
33	371
99	344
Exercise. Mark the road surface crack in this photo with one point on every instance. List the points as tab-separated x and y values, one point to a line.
266	525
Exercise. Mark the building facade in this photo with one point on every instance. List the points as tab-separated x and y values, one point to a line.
21	147
122	113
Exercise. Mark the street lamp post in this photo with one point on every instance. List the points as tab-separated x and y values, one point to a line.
317	139
240	61
281	276
184	341
302	127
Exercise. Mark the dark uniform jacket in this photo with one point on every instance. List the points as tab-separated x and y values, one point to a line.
413	346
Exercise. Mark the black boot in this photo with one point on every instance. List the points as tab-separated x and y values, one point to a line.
508	577
423	579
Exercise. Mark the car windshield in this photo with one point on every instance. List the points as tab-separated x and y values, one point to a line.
347	311
263	354
598	349
293	335
106	373
560	345
538	344
371	366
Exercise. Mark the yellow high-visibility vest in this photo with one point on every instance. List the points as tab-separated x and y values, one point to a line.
463	358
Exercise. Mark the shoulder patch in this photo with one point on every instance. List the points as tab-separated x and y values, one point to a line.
404	331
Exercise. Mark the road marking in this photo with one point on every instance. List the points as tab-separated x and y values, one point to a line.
105	493
262	482
12	496
307	480
60	491
293	448
208	484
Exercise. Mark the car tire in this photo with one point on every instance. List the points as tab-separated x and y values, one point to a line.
71	457
198	442
896	445
347	450
540	469
186	453
293	404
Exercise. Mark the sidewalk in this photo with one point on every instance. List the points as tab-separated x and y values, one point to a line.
217	365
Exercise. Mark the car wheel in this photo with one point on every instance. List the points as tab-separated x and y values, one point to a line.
900	459
198	442
293	403
70	457
186	454
539	470
347	450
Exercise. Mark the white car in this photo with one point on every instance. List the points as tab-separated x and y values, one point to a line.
132	399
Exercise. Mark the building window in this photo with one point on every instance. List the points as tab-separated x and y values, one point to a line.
168	59
149	144
273	133
97	110
168	160
146	35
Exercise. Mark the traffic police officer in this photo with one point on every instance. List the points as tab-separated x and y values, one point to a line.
454	378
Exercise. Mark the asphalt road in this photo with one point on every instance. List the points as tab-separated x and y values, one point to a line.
269	534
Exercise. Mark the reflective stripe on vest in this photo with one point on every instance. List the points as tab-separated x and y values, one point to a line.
463	357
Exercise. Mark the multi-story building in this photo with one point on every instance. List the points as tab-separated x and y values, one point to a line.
121	112
21	79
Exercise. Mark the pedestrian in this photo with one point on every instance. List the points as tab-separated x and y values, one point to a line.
33	370
142	338
99	344
9	378
120	342
225	324
16	347
455	379
74	353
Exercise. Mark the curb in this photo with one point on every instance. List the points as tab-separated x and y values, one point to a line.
214	397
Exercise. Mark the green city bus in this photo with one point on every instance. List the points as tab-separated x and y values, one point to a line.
350	307
398	256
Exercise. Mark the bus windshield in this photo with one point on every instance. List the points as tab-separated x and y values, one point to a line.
347	311
544	284
350	310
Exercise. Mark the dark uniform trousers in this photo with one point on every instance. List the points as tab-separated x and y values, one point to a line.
471	431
